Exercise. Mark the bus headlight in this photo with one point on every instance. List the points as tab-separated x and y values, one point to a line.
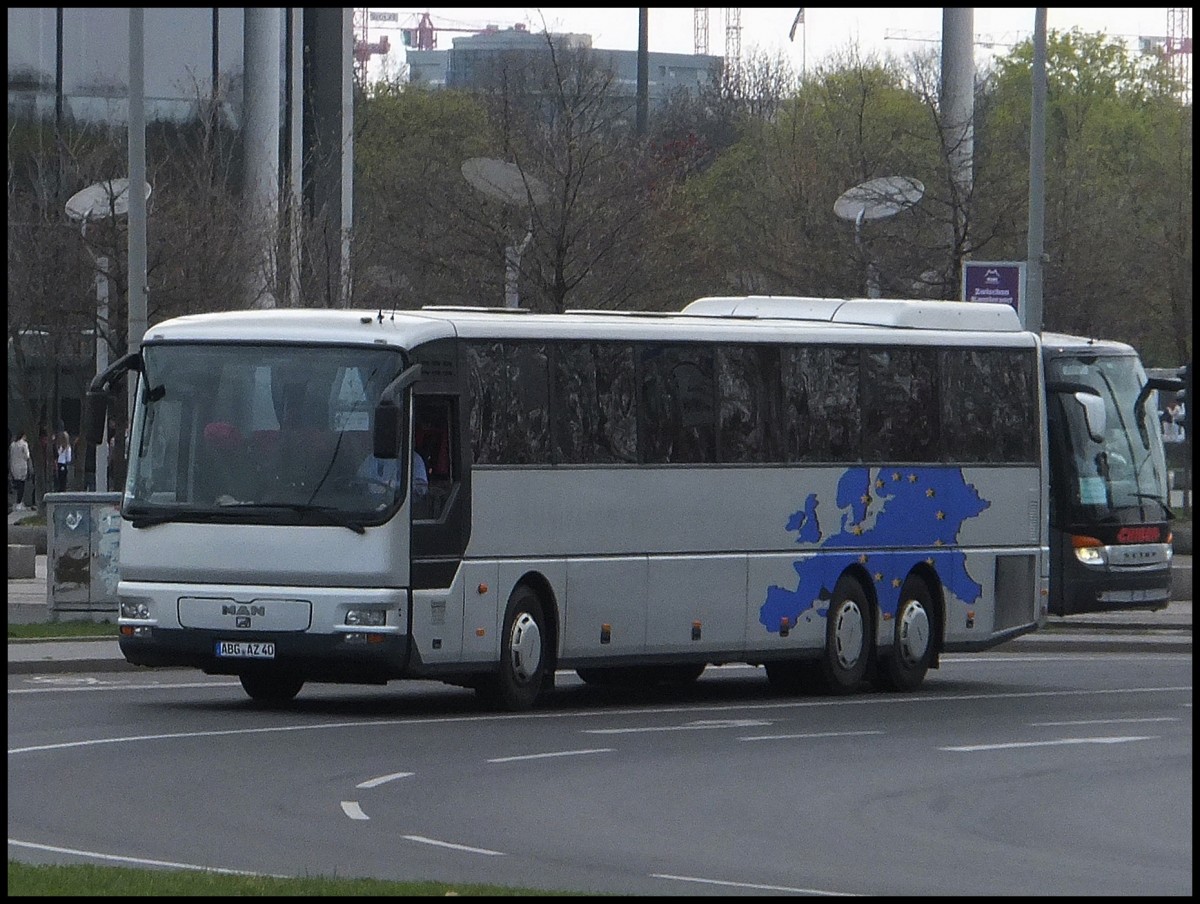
1089	550
135	610
367	618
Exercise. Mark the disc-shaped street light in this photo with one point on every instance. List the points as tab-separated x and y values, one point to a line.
100	201
507	183
876	199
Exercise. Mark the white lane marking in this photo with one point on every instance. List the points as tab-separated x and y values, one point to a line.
973	748
865	700
815	734
543	756
383	779
1107	721
698	725
752	885
114	685
353	810
457	847
137	861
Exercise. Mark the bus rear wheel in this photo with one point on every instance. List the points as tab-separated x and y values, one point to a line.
271	689
904	667
524	654
843	663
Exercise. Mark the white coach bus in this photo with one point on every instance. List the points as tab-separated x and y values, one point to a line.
838	490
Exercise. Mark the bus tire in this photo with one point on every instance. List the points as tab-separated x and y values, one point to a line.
903	668
843	663
524	654
272	689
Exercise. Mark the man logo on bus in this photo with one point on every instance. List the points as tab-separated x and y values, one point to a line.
880	508
242	609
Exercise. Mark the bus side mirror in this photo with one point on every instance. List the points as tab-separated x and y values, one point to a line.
385	439
97	414
1093	414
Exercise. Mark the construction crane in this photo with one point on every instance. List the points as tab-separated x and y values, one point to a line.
364	49
1010	39
423	36
733	35
1179	47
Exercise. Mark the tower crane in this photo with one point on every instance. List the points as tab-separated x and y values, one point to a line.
423	36
363	48
733	35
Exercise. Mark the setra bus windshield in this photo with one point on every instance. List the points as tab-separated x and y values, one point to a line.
1110	467
272	434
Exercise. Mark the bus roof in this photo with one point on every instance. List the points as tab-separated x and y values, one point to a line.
1064	343
825	320
928	314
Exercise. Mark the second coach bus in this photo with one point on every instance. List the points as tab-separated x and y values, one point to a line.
840	494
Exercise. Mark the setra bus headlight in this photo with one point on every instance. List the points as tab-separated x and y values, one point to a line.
1089	550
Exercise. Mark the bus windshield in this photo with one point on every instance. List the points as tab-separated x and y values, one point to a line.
271	434
1114	475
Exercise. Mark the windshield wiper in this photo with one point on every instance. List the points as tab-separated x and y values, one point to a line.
331	515
1155	498
149	519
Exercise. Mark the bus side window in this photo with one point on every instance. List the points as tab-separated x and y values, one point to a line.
433	441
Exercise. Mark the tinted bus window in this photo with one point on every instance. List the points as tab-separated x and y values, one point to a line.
678	423
595	398
989	405
510	421
748	389
900	407
821	404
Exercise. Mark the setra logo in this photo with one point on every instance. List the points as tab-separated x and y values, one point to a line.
1138	535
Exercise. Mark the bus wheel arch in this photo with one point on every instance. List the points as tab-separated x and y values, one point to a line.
526	651
916	637
849	635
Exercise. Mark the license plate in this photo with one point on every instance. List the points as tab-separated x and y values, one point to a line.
241	649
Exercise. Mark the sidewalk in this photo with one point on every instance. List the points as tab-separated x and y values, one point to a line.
1167	630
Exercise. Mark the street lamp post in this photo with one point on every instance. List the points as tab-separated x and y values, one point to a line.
103	200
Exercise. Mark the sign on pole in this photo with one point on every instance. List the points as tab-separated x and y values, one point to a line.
1002	282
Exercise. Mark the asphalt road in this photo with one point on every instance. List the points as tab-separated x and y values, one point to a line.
1007	774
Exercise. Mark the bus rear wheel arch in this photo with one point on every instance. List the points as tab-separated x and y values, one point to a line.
914	639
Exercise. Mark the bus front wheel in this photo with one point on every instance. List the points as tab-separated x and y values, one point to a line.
843	664
524	654
904	667
271	689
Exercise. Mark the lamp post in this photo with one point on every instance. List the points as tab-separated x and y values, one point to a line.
876	199
103	200
507	183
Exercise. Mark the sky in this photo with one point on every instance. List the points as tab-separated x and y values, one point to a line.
894	30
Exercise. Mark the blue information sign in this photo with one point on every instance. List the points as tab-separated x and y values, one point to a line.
996	281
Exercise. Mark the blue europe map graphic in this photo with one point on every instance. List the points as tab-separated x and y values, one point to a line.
880	508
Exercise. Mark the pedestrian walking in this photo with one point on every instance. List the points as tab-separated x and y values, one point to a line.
63	456
20	462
